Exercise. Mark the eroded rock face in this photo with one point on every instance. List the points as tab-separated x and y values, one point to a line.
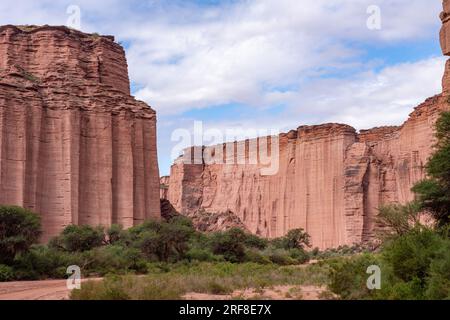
445	30
331	179
74	145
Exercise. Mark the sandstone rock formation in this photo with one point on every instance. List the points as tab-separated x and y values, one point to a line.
331	179
164	187
74	145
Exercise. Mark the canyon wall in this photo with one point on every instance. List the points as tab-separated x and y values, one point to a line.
75	147
330	181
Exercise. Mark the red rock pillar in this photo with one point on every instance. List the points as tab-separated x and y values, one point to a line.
445	44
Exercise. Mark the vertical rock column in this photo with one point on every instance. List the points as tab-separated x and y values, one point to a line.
75	147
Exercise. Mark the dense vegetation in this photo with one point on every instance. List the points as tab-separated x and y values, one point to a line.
115	250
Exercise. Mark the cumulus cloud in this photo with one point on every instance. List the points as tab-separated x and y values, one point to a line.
244	53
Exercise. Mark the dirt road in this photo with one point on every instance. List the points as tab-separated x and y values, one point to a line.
34	290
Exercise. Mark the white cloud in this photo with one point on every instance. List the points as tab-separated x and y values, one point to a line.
371	98
236	55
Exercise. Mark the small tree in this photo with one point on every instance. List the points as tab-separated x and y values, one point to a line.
294	239
434	193
19	229
79	238
399	219
230	244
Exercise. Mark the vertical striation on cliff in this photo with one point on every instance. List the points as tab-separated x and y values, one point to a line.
74	145
331	179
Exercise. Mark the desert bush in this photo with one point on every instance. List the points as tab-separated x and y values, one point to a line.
229	244
294	239
348	277
410	255
42	262
438	281
202	254
115	259
256	256
398	219
79	238
341	251
163	241
6	273
116	234
280	256
19	229
299	255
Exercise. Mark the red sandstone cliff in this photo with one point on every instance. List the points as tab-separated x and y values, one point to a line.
331	180
74	145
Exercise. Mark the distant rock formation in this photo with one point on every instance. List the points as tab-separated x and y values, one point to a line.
74	145
331	180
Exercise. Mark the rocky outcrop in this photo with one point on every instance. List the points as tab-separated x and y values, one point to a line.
445	30
164	187
74	145
219	221
330	181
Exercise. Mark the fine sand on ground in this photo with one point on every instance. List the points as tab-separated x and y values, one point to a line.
35	290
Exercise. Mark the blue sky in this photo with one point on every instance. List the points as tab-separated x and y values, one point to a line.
264	63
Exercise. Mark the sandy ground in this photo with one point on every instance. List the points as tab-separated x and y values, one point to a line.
36	290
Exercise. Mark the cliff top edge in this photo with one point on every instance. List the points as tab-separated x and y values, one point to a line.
34	29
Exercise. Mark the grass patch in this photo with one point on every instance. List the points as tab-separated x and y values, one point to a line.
205	277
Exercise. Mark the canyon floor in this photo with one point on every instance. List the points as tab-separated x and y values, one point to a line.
35	290
57	290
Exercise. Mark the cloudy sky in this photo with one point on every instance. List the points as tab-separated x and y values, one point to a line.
264	63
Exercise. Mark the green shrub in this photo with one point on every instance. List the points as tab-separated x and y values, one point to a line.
438	282
299	255
256	256
79	238
399	219
42	262
6	273
229	244
202	254
115	259
280	256
116	234
410	255
348	277
253	241
19	229
163	241
294	239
